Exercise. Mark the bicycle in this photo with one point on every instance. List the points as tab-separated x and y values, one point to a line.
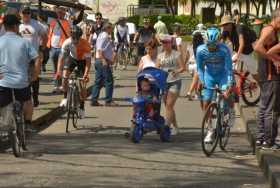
132	56
13	130
122	56
216	118
247	87
73	99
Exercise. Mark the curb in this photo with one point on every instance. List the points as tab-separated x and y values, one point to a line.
269	161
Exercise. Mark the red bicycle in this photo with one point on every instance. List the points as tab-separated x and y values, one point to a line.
247	87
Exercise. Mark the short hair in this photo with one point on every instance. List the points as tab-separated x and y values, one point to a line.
98	14
107	25
276	13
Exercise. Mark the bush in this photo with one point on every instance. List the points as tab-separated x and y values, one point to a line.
188	22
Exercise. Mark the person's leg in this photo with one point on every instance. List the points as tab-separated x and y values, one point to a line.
276	111
193	85
98	82
250	65
261	116
109	84
35	92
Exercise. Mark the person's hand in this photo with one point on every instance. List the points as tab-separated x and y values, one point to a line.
174	73
57	75
227	92
201	86
235	58
86	78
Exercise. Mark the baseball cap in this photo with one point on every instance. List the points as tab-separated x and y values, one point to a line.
11	20
166	38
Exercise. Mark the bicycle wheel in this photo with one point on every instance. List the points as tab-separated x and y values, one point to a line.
250	92
75	107
69	107
16	146
209	123
136	133
224	136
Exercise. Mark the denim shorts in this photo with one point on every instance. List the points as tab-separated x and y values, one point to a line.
174	87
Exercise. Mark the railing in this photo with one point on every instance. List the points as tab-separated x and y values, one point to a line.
133	10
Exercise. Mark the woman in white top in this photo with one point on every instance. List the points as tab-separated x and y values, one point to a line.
170	61
147	60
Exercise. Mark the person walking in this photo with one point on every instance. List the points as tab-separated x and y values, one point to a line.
59	31
160	27
170	61
267	48
103	67
33	31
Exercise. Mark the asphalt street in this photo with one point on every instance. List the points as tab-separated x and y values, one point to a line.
98	154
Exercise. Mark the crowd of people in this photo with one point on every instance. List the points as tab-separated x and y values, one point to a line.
26	45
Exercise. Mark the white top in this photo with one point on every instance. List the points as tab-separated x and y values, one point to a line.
123	33
32	31
147	62
178	41
169	64
131	28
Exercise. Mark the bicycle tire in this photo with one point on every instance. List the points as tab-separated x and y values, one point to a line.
209	113
246	88
69	108
16	147
75	107
224	137
21	132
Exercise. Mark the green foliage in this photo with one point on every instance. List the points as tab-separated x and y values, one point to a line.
188	22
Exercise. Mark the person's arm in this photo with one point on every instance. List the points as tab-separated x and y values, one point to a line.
37	68
116	34
241	47
62	56
259	46
79	18
180	64
228	66
200	65
158	62
99	48
273	53
141	64
87	69
136	37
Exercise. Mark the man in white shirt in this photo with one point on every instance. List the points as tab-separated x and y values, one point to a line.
34	32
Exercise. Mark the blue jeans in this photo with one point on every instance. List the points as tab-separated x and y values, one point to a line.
104	76
54	55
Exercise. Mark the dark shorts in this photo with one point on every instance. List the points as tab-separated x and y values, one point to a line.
174	87
21	95
71	64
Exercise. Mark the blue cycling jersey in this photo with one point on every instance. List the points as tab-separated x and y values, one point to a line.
214	65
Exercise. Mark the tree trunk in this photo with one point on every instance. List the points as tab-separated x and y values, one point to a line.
264	7
240	6
247	8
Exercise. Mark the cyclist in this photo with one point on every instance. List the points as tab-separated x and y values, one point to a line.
214	66
145	35
121	36
77	52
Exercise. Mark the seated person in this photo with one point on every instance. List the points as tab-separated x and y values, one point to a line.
149	96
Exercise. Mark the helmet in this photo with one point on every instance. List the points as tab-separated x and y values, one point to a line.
122	19
76	32
213	35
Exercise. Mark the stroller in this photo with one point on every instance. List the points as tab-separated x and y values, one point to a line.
141	123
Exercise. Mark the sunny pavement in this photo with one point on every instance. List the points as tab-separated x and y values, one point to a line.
99	155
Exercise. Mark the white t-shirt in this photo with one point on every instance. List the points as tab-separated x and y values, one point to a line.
32	31
123	33
131	28
147	63
57	31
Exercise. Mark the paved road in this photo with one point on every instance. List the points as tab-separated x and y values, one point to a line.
99	155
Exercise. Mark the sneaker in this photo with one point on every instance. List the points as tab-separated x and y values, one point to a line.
82	113
112	103
63	103
209	137
175	131
266	145
55	90
189	96
259	143
36	103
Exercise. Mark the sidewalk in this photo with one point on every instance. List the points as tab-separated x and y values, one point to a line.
268	160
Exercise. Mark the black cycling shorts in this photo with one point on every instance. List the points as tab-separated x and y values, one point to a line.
21	95
71	64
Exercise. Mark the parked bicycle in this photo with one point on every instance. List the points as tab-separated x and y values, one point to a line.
247	87
73	99
216	118
13	128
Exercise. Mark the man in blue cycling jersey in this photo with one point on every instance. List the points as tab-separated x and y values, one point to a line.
214	66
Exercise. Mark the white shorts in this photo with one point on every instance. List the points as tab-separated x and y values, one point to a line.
249	63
